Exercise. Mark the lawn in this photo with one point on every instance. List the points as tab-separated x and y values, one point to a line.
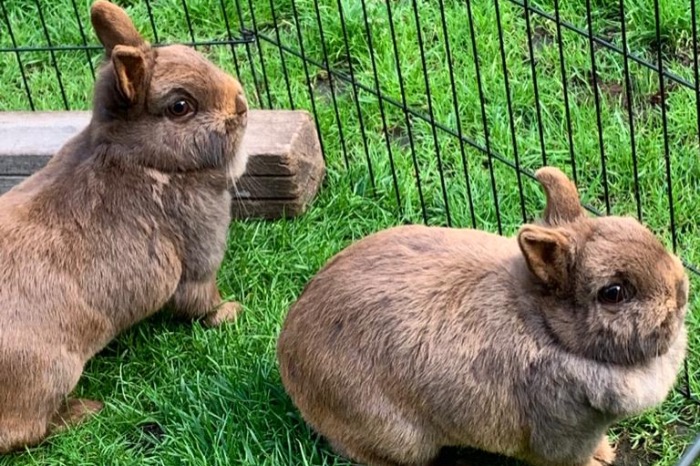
180	394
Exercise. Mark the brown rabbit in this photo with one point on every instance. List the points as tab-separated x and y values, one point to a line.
129	217
416	338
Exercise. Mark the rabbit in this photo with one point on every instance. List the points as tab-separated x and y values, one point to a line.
417	338
129	217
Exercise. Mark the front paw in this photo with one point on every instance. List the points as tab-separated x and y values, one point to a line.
227	312
604	454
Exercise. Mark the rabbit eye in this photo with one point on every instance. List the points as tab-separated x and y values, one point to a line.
180	108
614	294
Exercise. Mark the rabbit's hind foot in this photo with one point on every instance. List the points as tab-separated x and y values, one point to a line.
227	312
73	412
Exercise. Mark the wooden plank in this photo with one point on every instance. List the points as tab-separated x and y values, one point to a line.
277	187
269	209
284	172
278	208
7	182
275	197
258	164
267	187
22	165
38	133
29	139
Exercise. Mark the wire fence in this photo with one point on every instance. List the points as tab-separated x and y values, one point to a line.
439	110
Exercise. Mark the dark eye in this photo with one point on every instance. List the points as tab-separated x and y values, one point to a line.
180	108
614	294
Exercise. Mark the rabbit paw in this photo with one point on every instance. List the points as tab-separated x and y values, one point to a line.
604	454
75	411
225	313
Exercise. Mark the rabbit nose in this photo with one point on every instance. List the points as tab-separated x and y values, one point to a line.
241	105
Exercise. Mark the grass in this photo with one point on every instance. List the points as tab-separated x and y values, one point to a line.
181	395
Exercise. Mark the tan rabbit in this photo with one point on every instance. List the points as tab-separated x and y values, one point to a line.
416	338
129	217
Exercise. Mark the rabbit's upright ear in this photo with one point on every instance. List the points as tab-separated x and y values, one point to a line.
130	71
548	252
113	26
563	204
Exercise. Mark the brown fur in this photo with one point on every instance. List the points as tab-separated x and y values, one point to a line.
417	338
129	217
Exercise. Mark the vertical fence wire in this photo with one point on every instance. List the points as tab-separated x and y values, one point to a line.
152	20
188	20
484	119
283	62
696	68
428	95
596	97
565	90
404	104
380	101
696	76
664	123
533	67
251	62
331	84
308	77
630	108
54	62
356	97
509	103
455	103
236	65
25	82
261	54
83	37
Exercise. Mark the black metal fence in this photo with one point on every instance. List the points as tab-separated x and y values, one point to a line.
439	110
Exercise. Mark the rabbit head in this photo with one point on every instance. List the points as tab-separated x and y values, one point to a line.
609	289
168	108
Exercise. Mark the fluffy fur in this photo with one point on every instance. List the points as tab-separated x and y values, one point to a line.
416	338
129	217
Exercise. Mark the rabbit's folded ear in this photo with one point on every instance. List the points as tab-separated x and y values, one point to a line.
113	26
130	72
548	253
563	204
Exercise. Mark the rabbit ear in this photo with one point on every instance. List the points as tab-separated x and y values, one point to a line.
113	27
130	72
563	204
548	253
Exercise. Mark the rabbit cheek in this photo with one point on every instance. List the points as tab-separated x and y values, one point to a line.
237	165
235	156
655	331
211	149
681	303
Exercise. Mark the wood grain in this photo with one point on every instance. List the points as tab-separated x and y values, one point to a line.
284	172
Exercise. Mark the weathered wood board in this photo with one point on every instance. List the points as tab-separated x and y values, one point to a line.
285	166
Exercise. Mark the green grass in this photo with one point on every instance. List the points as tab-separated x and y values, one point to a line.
216	395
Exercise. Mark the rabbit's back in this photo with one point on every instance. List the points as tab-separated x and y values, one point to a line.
73	252
398	320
